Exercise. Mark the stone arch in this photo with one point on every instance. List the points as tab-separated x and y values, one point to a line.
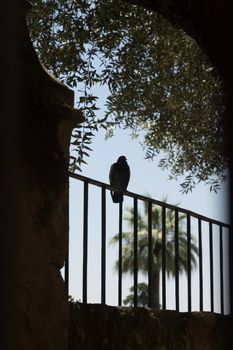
43	122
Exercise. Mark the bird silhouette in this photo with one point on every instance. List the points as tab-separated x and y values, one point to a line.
119	176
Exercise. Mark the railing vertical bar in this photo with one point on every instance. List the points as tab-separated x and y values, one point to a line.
135	252
189	262
164	206
221	270
67	272
200	264
120	257
85	240
177	260
67	257
164	257
211	267
103	246
150	253
230	266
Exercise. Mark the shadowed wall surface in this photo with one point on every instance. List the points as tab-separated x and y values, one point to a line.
119	328
40	134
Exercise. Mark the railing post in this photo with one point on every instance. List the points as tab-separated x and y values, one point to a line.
135	252
103	246
189	262
230	262
85	240
177	260
221	270
66	273
200	264
150	253
120	257
164	256
211	267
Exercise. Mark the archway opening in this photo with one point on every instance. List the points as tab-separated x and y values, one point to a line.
167	95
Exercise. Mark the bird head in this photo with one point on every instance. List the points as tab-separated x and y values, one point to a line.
121	159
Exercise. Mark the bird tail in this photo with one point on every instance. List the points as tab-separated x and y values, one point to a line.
117	197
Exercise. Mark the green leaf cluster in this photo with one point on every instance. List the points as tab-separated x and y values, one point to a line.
160	82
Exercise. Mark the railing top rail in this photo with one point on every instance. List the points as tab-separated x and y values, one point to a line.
148	199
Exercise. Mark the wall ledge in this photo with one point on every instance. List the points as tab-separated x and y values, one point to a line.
95	326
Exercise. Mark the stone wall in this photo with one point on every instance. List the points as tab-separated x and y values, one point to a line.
99	327
40	134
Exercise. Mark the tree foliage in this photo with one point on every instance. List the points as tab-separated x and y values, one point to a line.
160	82
142	296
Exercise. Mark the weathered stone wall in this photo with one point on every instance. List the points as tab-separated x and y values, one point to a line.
43	121
98	327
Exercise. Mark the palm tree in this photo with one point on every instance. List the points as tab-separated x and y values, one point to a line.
142	295
128	250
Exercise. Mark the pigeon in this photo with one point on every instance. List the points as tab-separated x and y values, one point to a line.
119	178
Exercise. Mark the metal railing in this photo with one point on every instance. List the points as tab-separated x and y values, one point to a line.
221	229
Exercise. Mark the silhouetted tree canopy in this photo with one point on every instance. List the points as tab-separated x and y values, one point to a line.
161	85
